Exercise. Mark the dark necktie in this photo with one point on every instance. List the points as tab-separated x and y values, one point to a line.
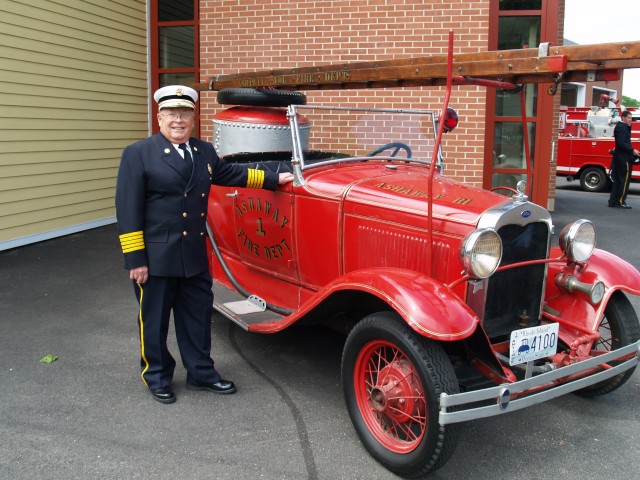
187	155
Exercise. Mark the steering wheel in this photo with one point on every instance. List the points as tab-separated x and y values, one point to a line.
396	145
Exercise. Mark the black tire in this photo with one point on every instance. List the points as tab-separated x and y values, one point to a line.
392	379
260	97
594	179
619	328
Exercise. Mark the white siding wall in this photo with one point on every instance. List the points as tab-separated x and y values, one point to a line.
73	94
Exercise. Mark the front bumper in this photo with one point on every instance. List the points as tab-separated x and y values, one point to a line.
502	394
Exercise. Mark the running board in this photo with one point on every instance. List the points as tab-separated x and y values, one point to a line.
223	297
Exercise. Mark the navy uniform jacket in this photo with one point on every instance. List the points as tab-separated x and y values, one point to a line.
624	150
161	206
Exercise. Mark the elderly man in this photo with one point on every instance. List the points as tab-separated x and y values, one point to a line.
161	205
622	162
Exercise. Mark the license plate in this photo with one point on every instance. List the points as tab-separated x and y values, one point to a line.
533	343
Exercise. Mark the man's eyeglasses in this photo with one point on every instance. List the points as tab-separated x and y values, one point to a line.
175	116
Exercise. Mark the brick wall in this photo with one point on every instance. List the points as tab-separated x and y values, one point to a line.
245	35
556	123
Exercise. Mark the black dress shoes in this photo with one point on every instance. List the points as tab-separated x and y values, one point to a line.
222	387
163	395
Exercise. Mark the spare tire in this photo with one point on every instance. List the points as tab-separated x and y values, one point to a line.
260	97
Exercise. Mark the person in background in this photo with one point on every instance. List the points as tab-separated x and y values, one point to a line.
162	194
622	162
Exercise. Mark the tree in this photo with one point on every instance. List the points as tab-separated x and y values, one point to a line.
630	102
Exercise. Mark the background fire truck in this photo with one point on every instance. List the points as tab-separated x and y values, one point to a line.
585	139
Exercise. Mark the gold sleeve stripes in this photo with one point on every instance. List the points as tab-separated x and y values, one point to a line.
255	178
131	242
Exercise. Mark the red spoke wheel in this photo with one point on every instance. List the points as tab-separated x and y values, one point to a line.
619	327
390	396
392	379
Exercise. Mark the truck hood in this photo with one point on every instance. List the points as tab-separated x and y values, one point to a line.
405	190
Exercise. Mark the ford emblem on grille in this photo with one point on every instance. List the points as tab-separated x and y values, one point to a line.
526	213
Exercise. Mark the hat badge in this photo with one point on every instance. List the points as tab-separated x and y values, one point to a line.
179	92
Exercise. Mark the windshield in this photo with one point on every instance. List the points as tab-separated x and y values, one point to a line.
331	134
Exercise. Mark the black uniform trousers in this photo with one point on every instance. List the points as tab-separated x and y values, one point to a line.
191	300
620	179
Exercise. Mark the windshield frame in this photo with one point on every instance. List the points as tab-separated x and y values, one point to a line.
298	155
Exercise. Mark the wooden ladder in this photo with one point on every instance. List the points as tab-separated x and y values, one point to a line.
547	64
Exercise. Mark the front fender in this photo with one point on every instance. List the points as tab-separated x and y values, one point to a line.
428	307
613	271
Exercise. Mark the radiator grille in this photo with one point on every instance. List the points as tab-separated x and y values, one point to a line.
517	292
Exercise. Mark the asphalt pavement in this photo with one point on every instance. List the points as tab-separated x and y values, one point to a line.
88	415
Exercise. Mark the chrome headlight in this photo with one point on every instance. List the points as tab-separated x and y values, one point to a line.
481	252
577	241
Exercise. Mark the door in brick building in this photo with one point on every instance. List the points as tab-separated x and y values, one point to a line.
174	48
516	24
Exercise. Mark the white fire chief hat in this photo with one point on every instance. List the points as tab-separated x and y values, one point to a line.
176	96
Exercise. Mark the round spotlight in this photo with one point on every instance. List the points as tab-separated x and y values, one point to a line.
578	240
481	252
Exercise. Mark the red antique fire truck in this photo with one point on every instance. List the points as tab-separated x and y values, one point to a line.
455	304
586	140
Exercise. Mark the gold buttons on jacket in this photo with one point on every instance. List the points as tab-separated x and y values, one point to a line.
185	195
184	234
202	234
184	214
202	195
202	215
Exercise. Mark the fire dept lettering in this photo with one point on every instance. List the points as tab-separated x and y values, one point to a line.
304	77
276	251
251	239
270	252
296	79
404	190
418	193
336	76
250	82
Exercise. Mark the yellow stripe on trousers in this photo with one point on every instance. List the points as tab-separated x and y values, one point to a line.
144	358
624	190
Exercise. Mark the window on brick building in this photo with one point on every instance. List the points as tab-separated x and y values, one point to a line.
174	45
517	24
569	96
598	92
520	4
